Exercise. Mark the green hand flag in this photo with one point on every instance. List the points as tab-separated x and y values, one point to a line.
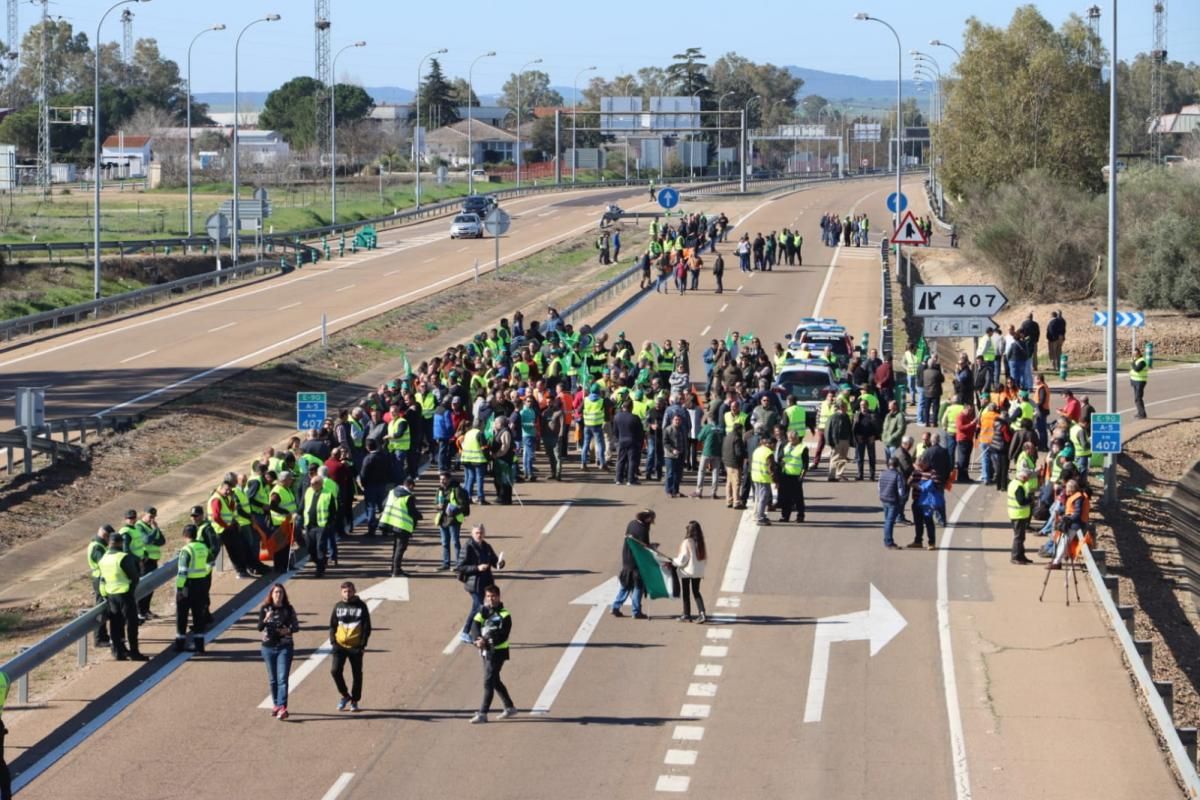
649	569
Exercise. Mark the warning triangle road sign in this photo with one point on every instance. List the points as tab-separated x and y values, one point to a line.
908	231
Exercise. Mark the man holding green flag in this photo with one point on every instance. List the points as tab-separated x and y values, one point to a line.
640	571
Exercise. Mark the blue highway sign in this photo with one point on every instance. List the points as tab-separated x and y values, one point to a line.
891	203
310	410
1125	319
1106	433
668	197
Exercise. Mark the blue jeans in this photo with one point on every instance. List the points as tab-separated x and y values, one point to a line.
528	450
985	463
653	458
450	533
374	497
444	451
476	604
927	412
674	472
399	465
1043	432
279	665
474	476
1083	462
592	433
624	593
913	389
891	512
744	261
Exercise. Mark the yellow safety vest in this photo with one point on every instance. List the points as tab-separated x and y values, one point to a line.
824	412
241	506
872	402
472	450
357	432
480	619
93	559
793	463
428	404
396	442
759	472
987	350
666	360
950	416
593	412
396	512
1028	411
1015	509
323	502
287	501
153	550
197	563
1026	461
261	497
113	579
228	510
133	541
797	418
1083	447
732	419
1139	375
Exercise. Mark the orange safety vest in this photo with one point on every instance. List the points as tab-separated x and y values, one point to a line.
1072	505
1043	398
987	422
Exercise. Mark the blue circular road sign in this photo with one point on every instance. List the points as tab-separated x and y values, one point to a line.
668	197
891	202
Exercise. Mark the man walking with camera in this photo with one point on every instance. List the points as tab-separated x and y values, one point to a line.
490	630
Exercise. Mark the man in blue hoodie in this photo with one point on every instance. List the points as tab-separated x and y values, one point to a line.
443	436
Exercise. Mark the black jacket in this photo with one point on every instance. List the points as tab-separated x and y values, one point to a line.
348	614
628	428
499	628
474	554
639	531
376	469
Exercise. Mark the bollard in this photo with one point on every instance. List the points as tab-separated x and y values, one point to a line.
83	651
1062	366
23	683
1114	588
1149	354
1166	690
1187	737
1126	614
1145	649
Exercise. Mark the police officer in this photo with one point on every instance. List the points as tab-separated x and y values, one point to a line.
399	518
1139	373
762	470
119	576
316	518
152	543
206	534
96	549
136	547
191	590
792	467
490	631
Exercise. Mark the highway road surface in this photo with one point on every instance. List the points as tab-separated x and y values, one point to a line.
831	668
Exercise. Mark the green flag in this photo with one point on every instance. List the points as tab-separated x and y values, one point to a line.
729	340
648	567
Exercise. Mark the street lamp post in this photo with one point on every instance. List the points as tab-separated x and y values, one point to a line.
96	151
333	134
218	27
748	147
720	131
862	15
575	118
940	43
470	124
521	72
417	128
237	222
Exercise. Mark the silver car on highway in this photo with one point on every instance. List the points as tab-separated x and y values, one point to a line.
466	226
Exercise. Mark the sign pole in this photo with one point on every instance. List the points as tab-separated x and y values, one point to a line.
324	331
1110	463
497	268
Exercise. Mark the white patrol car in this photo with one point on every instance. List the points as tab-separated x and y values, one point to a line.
807	380
815	334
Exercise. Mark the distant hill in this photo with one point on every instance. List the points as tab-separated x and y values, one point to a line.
852	90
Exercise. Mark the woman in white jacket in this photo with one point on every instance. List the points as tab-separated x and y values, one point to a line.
690	563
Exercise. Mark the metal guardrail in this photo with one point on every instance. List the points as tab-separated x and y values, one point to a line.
1158	696
937	201
886	319
19	439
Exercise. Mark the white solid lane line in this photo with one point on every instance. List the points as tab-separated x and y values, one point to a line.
339	786
556	518
222	327
707	328
139	355
289	305
958	745
454	643
737	568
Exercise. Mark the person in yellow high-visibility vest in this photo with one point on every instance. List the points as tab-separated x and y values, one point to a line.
191	590
762	475
315	522
1020	509
792	467
1139	373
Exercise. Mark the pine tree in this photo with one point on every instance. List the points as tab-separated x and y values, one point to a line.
437	98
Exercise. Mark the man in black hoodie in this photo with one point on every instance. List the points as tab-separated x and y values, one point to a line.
490	629
349	631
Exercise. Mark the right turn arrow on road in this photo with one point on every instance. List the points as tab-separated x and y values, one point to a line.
879	624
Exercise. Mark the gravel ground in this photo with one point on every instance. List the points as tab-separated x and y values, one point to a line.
1141	551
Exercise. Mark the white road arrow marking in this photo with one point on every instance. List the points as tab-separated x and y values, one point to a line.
395	589
879	624
599	600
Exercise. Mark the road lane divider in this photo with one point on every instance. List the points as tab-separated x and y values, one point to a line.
339	786
139	355
556	518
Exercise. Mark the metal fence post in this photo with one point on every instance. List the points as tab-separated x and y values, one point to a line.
83	651
23	683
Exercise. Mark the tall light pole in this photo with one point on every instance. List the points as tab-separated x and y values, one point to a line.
521	72
720	130
1110	462
237	222
833	116
772	108
940	43
927	65
470	124
218	27
333	133
625	93
96	151
417	127
575	117
862	15
748	147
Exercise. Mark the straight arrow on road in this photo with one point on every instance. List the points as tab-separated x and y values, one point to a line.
395	589
879	624
598	600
